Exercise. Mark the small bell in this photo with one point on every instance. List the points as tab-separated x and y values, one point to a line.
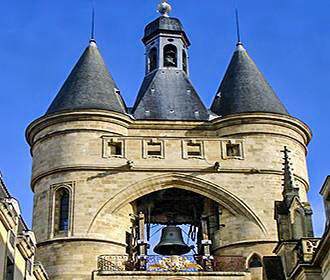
171	242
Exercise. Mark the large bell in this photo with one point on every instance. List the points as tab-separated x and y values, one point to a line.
171	242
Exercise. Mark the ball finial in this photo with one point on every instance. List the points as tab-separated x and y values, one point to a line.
164	8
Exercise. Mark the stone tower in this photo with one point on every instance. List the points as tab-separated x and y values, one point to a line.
104	173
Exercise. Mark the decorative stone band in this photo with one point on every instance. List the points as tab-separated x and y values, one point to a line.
208	168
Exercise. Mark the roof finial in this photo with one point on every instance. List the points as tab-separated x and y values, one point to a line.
93	25
238	29
164	8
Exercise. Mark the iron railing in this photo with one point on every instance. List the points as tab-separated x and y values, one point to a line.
115	263
152	263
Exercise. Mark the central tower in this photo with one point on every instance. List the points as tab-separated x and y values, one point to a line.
166	92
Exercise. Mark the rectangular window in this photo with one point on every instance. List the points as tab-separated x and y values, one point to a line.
9	270
194	149
28	267
233	150
12	239
154	149
115	149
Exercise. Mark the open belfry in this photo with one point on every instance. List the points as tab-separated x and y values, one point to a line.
224	189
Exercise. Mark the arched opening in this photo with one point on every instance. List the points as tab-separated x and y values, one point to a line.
61	211
255	261
184	61
152	59
170	56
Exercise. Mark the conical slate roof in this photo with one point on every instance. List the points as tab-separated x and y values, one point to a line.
167	94
89	86
244	89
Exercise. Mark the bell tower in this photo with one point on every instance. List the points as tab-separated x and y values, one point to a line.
166	43
107	178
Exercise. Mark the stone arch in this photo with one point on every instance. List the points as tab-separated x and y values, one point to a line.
176	180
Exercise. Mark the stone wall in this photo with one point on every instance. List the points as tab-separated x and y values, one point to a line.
71	149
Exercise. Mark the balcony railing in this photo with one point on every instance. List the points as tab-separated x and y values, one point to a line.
174	264
195	263
115	263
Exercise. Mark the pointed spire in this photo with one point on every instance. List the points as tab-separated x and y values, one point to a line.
290	190
238	29
244	89
93	25
89	86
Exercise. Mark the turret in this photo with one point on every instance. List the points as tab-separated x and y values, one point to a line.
244	89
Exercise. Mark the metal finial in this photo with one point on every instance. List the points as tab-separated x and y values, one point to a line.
164	8
93	25
238	29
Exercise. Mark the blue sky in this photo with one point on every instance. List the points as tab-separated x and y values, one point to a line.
42	40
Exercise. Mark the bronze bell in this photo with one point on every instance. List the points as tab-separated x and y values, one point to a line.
171	242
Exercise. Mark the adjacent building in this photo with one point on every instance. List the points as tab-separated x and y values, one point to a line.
17	243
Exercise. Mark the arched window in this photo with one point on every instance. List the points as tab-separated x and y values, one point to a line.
170	56
184	61
255	262
152	59
64	210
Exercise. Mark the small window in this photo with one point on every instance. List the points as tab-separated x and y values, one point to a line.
9	269
64	211
154	149
170	56
233	150
152	59
12	239
194	150
28	267
184	61
255	262
115	149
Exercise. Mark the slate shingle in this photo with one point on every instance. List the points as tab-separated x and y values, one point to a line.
89	86
167	94
244	89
